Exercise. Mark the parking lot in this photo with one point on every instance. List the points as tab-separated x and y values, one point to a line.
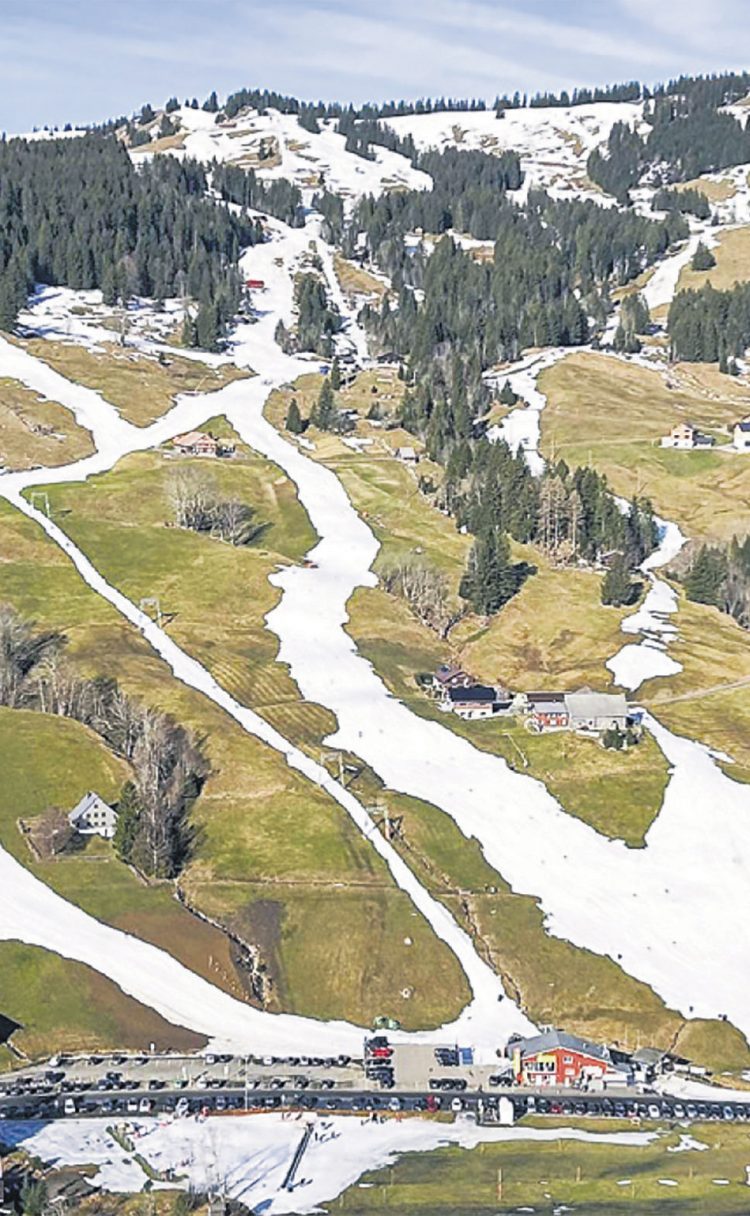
387	1079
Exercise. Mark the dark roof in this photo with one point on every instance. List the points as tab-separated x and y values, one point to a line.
476	692
539	698
444	673
744	426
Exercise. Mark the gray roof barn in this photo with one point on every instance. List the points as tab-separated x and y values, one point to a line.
596	710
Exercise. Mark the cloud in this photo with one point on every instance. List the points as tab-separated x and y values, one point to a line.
84	59
718	29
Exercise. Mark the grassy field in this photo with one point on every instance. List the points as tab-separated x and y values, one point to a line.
64	1006
34	431
213	596
355	280
139	385
262	831
553	980
537	641
588	1179
706	493
732	253
554	634
627	408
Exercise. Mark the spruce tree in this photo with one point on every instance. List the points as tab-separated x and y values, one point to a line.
705	581
508	396
129	811
491	578
323	414
703	259
335	375
294	422
618	587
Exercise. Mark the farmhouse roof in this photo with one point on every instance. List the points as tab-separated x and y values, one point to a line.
476	692
744	425
191	438
552	1040
90	802
596	704
542	698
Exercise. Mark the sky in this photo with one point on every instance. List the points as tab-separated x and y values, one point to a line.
84	61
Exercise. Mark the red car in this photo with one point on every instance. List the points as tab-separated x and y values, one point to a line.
382	1053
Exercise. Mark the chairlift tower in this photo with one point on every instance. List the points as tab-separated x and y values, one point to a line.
382	818
338	758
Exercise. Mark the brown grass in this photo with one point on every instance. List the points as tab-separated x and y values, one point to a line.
611	414
35	431
732	255
139	385
355	280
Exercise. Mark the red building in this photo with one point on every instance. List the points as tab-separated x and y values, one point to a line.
548	710
557	1058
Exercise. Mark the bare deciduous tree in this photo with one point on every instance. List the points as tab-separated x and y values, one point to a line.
427	591
195	504
191	493
21	652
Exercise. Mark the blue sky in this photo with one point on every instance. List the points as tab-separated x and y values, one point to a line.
86	60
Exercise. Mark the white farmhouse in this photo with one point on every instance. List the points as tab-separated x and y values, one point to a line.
93	817
685	436
742	435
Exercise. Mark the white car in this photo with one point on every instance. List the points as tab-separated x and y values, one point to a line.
457	1104
144	1106
394	1104
182	1107
70	1106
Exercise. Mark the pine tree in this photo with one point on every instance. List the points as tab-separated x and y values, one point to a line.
128	815
294	422
323	414
491	578
335	375
706	579
508	396
703	259
618	587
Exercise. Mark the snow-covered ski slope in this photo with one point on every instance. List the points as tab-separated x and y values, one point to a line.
310	159
553	143
248	1158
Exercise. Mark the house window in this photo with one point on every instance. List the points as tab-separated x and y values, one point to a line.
567	1059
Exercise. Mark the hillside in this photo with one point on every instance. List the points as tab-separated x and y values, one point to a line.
345	456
